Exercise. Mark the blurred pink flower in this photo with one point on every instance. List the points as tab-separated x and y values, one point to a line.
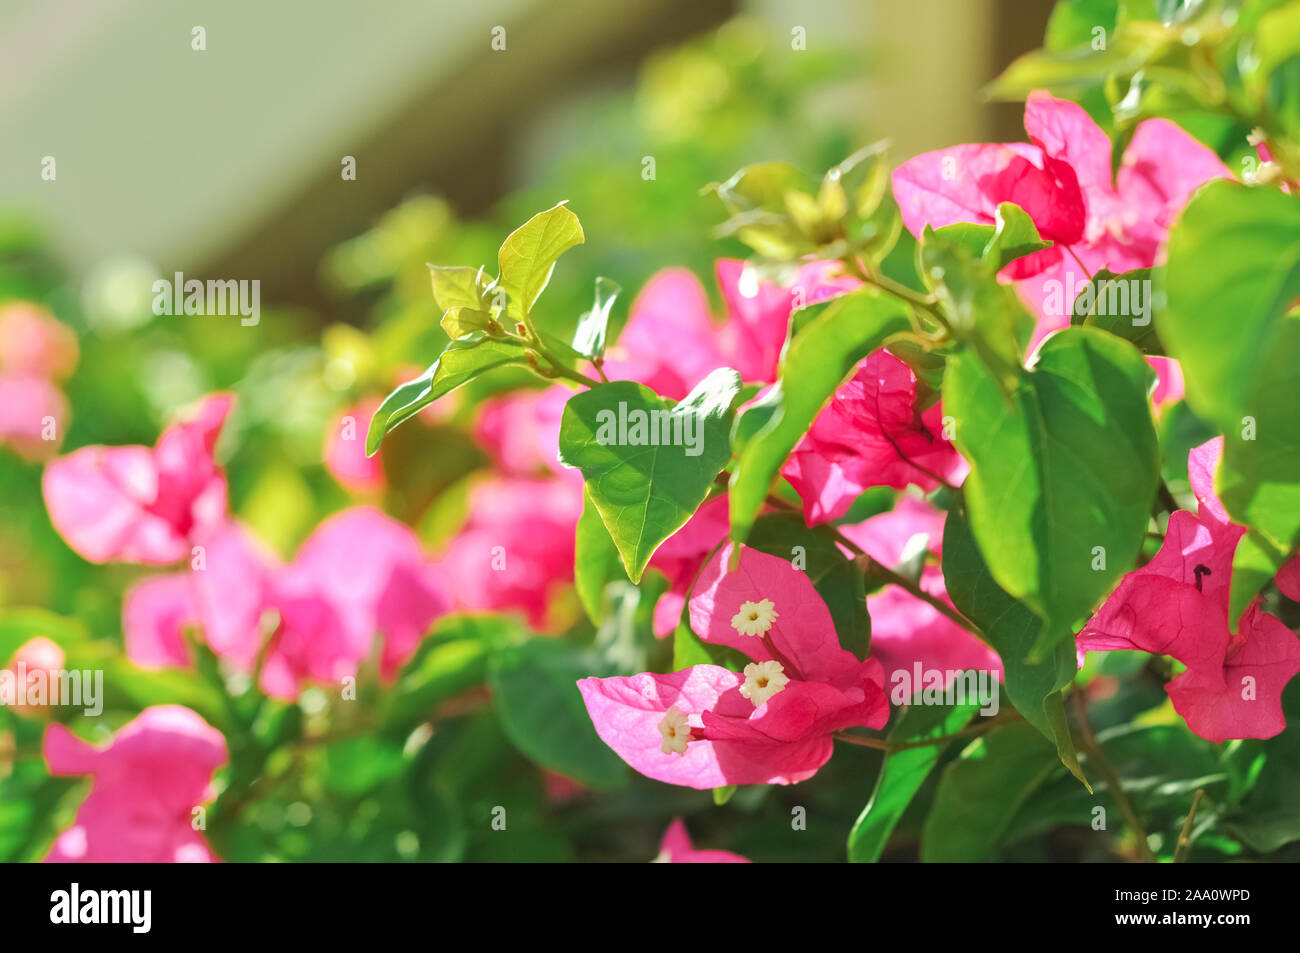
670	342
906	630
360	575
521	430
515	551
345	450
1169	382
147	782
676	848
872	433
30	409
34	343
1177	605
38	655
142	505
706	726
1062	179
682	556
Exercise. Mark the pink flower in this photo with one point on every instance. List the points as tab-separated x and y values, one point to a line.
521	431
370	569
1177	605
34	343
360	575
1062	180
682	556
676	848
345	450
1169	382
906	630
1288	578
671	343
142	505
147	782
38	656
31	409
706	726
515	552
871	434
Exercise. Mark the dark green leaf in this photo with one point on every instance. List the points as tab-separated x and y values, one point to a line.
534	688
980	793
1013	630
1062	475
902	773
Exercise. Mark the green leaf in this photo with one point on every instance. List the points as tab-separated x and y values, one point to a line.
1161	767
20	626
1062	474
723	795
462	360
960	264
1269	816
356	765
457	286
1120	304
1073	22
902	773
688	648
596	561
1072	71
452	659
645	491
458	322
443	670
815	362
589	338
837	578
534	689
529	253
763	185
980	793
1232	274
1034	687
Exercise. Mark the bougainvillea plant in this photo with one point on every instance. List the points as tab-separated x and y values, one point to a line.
978	498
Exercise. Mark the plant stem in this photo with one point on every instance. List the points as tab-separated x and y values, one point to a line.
973	731
880	744
877	570
1185	835
925	302
1098	757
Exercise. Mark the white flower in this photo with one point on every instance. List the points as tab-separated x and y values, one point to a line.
763	680
754	618
675	730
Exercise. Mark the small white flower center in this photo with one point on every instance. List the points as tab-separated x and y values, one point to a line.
754	618
763	680
675	730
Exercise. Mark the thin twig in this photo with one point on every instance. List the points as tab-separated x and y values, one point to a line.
1185	835
1098	757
